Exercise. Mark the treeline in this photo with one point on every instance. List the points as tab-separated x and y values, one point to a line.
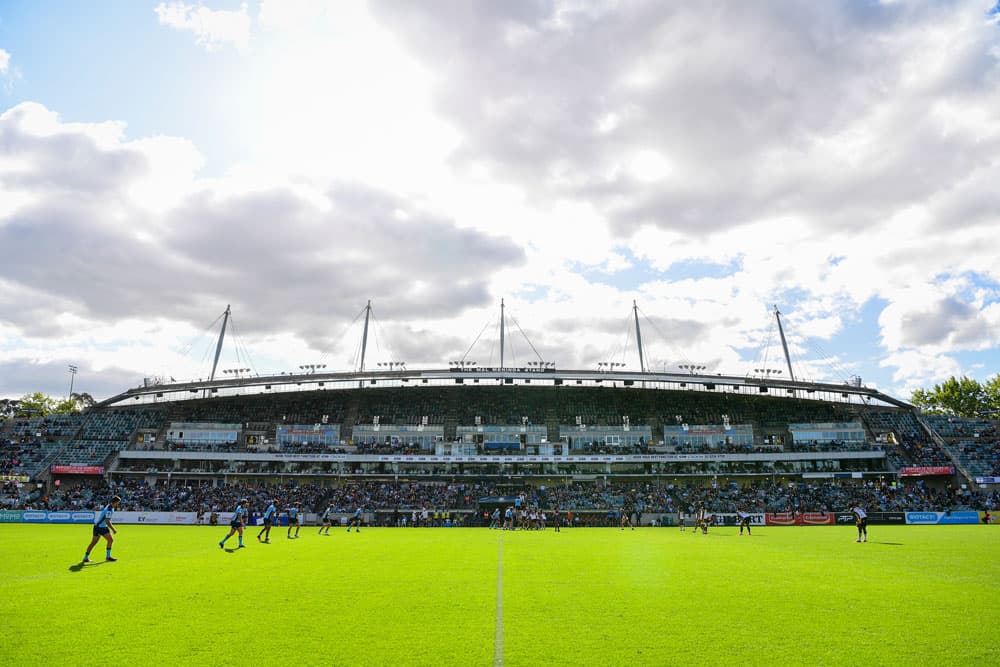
40	405
963	397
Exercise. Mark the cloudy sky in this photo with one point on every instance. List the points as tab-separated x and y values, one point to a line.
295	159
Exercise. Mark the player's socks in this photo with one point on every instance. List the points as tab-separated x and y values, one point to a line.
86	558
107	553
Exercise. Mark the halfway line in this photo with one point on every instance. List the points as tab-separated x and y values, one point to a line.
498	636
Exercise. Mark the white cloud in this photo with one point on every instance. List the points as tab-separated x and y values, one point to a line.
707	160
915	369
212	28
111	235
8	72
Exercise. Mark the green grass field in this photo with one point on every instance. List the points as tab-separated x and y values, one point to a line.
811	595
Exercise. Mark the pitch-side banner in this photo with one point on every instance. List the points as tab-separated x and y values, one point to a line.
984	517
800	519
176	518
40	516
874	518
727	519
941	518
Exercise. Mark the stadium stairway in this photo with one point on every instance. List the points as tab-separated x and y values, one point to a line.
552	425
450	426
947	448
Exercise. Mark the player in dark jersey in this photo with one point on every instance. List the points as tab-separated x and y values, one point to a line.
238	523
103	527
744	521
861	519
626	517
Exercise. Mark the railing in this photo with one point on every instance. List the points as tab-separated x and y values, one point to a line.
940	442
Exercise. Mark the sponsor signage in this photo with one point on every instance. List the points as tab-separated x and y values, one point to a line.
984	517
988	480
941	518
875	518
925	471
728	519
77	470
10	516
39	516
179	518
800	519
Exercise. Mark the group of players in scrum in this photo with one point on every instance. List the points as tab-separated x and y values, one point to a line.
531	518
702	520
515	517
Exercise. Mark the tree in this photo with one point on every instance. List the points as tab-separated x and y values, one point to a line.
67	406
963	397
83	400
991	388
925	400
35	405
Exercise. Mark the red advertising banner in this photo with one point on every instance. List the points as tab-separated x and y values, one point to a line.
803	519
920	471
77	470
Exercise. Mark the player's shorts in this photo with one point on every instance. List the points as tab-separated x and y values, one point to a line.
326	521
863	523
101	530
293	522
235	524
267	523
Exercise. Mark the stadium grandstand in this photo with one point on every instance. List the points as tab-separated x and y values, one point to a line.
466	439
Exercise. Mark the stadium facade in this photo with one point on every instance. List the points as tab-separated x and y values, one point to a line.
532	425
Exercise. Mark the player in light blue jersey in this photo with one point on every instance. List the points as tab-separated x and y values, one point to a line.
268	518
293	520
327	520
238	523
355	521
103	527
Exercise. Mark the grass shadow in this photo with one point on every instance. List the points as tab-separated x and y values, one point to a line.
76	567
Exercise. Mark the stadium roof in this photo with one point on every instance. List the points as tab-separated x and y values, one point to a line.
153	392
